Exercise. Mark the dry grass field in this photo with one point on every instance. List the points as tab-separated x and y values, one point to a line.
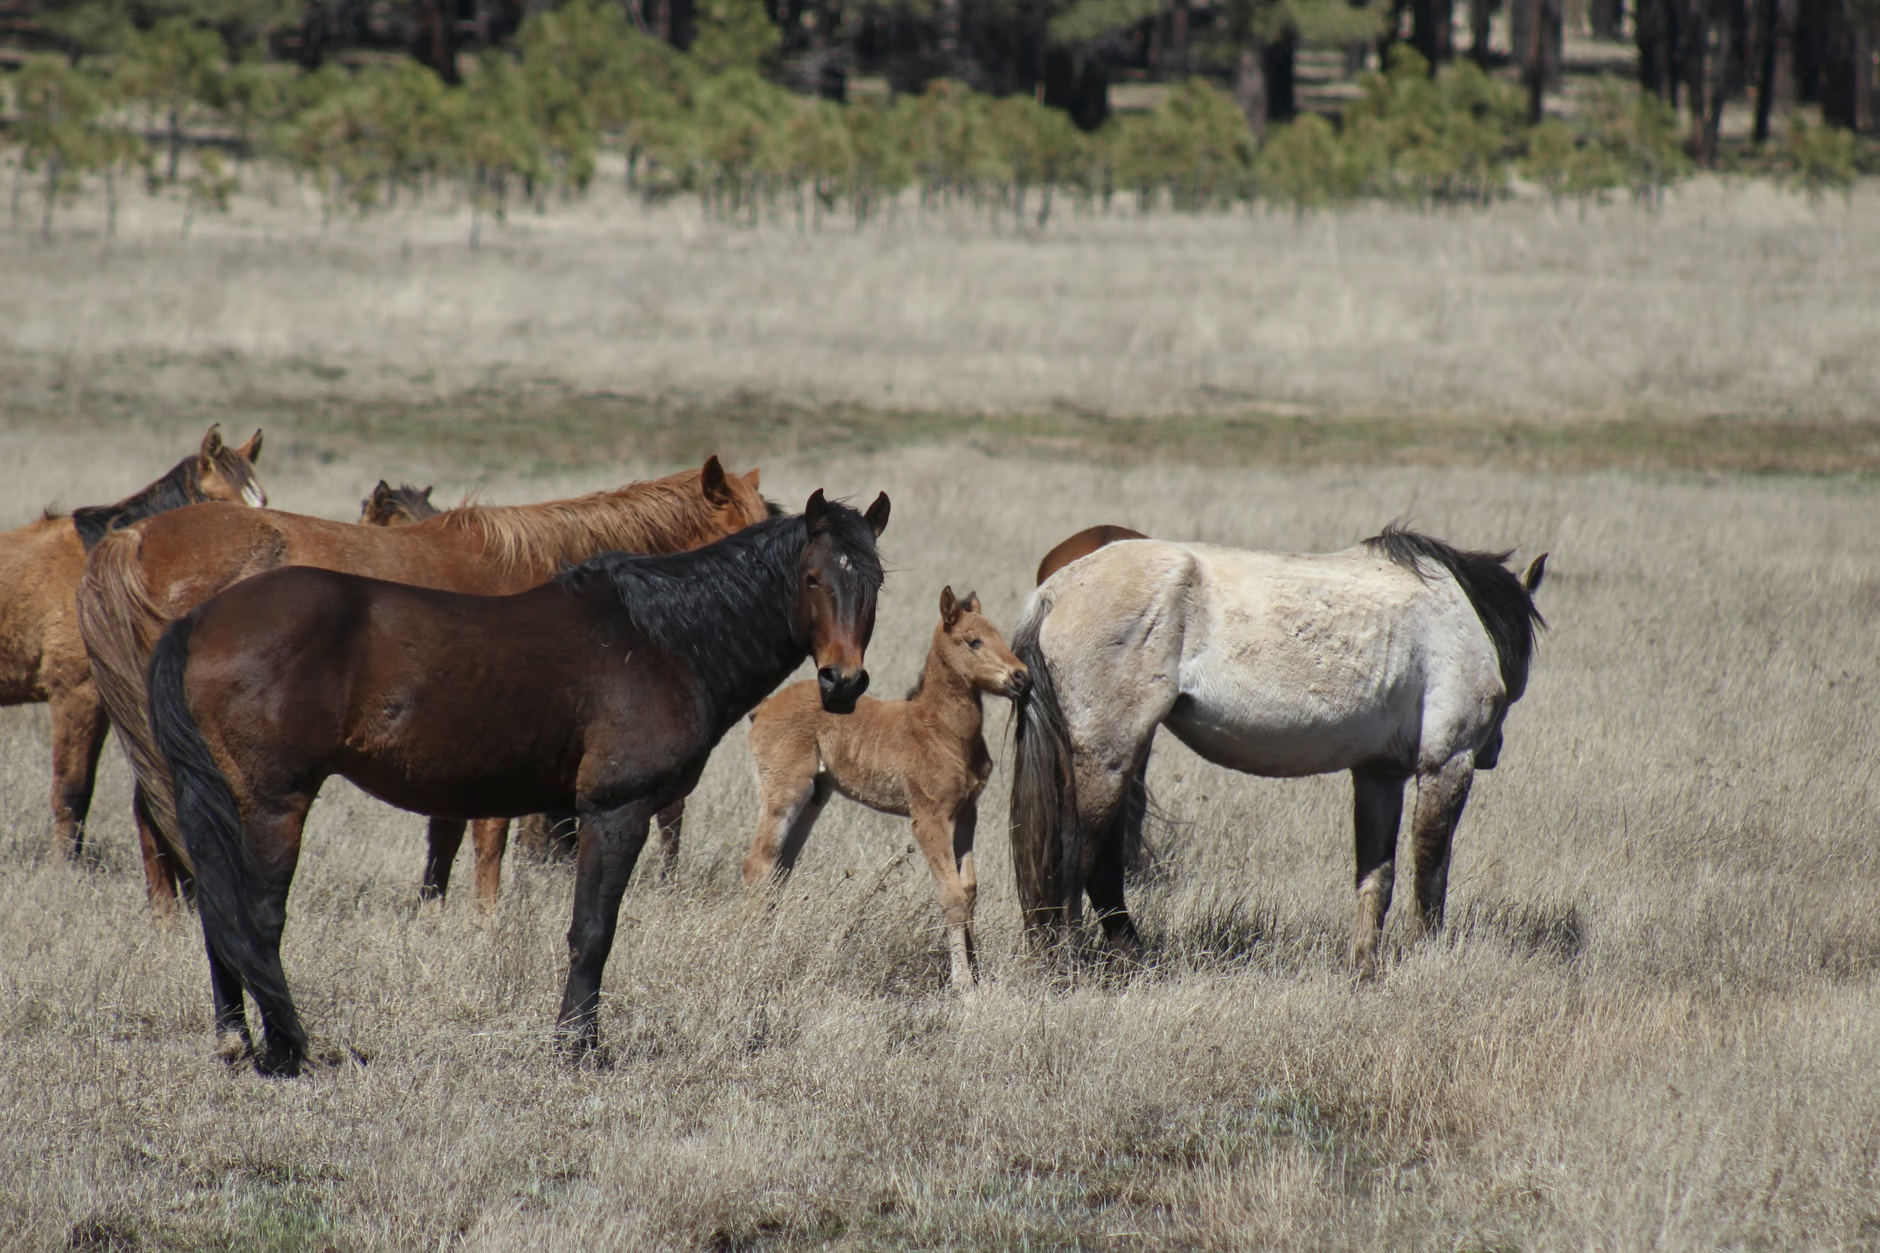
1652	1022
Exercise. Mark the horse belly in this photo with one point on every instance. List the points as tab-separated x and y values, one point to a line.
1292	742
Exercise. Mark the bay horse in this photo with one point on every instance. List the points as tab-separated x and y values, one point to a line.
396	506
1082	544
401	506
42	657
603	690
147	575
923	758
1396	659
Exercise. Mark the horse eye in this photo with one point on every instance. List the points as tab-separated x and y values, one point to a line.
973	644
812	582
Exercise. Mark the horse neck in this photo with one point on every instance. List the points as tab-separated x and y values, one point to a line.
726	610
655	517
946	696
181	486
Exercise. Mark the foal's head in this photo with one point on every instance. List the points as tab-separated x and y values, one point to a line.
972	648
396	506
227	472
838	577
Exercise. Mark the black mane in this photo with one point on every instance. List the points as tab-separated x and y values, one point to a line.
726	607
181	486
1500	599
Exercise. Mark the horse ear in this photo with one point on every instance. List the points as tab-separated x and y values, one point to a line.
1532	579
877	515
949	608
971	603
751	478
816	512
712	479
425	495
251	451
380	493
212	442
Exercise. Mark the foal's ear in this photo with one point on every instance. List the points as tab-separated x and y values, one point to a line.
712	480
877	515
751	478
212	443
971	603
1532	579
949	608
816	512
251	451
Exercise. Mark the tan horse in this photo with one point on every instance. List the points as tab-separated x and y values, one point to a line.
148	575
41	655
923	758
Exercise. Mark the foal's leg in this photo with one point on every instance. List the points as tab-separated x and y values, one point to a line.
443	837
1440	798
490	838
611	841
791	793
79	724
938	836
1377	808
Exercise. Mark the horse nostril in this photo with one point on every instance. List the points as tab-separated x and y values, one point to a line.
828	677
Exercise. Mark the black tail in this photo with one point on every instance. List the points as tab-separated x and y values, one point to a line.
1046	846
210	826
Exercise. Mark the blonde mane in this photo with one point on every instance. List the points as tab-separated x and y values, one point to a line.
664	515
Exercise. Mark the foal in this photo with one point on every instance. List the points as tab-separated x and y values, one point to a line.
923	758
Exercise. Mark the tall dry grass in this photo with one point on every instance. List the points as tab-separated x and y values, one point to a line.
1733	299
1652	1021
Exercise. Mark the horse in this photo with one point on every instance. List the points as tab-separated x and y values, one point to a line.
396	506
1396	659
1082	544
553	833
41	655
149	574
923	758
604	689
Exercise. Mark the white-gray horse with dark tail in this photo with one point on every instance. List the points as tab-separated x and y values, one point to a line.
1396	660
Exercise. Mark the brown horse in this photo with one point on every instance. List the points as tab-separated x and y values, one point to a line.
923	758
41	655
605	689
1082	544
396	506
150	574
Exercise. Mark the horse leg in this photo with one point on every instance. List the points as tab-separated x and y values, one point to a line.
610	844
791	793
1377	808
939	841
232	1040
1110	848
79	724
443	837
671	822
797	835
161	876
1440	798
490	838
273	843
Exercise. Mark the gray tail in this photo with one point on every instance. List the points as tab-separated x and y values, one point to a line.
210	826
1047	845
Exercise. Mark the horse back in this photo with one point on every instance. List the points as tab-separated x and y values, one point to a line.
40	565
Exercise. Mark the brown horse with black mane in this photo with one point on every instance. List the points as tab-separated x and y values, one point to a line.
396	506
41	655
150	574
605	690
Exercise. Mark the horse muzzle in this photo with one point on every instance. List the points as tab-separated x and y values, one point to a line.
840	688
1018	683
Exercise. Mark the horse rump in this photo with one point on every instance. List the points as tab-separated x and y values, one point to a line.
210	826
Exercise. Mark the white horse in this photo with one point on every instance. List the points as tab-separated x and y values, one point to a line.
1397	658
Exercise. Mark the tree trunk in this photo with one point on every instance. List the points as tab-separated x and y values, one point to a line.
1479	13
1539	52
1432	26
1178	38
1660	57
176	142
1605	17
434	38
1279	60
1772	40
1250	87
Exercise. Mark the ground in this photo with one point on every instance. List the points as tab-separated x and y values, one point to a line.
1651	1021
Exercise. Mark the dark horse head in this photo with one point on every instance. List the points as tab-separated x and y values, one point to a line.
838	576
